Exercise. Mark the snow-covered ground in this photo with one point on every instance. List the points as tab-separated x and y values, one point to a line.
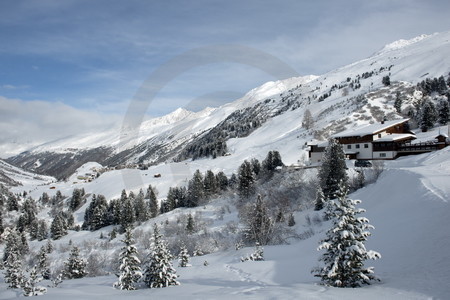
409	207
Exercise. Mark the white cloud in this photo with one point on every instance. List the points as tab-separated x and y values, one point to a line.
29	123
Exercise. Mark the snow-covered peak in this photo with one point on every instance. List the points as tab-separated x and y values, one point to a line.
403	43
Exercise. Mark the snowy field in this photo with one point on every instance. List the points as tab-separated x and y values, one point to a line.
409	207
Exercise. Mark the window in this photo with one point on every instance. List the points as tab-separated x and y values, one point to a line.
379	135
382	154
366	146
349	146
357	146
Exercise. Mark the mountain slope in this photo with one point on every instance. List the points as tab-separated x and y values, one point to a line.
348	96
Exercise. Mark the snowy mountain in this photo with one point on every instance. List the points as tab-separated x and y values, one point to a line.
408	204
13	176
213	131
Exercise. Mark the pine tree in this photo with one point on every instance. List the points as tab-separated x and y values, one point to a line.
76	200
443	112
130	270
196	190
190	226
58	228
246	180
42	265
308	121
153	202
159	271
128	215
12	245
333	169
427	116
258	224
141	208
386	81
183	257
344	245
398	103
13	269
30	288
320	199
210	184
75	266
222	181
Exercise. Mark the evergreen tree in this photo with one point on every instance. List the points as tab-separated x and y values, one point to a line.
271	163
308	120
159	271
333	169
42	265
130	270
190	226
141	208
256	167
30	288
42	232
58	228
210	184
128	215
427	116
234	181
153	202
246	180
13	270
75	266
258	224
171	200
12	245
398	103
222	181
76	199
196	190
183	257
344	245
443	112
320	199
386	80
12	203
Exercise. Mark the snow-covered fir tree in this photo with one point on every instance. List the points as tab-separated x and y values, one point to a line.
30	287
258	223
246	180
159	271
129	270
320	199
443	112
190	224
152	202
333	169
42	265
13	270
196	190
75	266
58	228
183	257
345	252
427	116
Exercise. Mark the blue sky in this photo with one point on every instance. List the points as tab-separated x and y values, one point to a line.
93	55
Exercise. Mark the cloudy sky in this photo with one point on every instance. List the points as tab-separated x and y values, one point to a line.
74	65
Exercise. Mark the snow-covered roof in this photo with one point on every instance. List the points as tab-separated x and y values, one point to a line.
369	129
396	137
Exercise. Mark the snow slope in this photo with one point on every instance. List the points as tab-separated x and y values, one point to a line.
11	175
409	207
